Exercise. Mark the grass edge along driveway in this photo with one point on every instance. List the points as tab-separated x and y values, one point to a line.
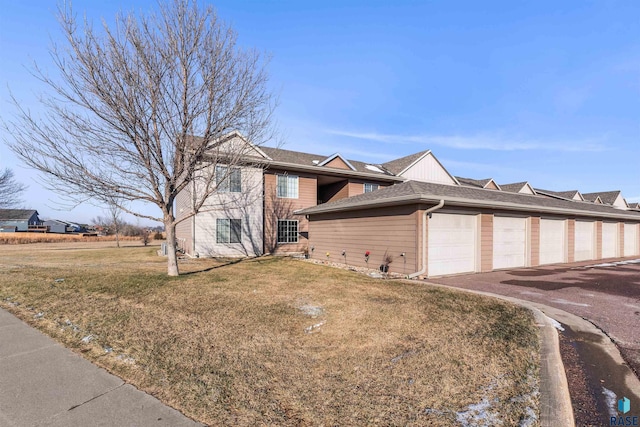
274	341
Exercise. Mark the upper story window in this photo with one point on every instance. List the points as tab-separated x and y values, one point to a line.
287	186
228	181
368	188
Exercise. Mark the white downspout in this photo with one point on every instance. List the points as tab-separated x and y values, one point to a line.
424	239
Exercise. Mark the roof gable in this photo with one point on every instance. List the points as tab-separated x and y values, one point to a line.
336	161
423	166
613	198
17	214
487	183
518	187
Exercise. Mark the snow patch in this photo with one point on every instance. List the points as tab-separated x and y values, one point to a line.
374	168
557	325
530	293
610	398
564	301
478	414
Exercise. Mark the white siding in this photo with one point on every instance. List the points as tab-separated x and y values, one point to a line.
509	242
585	240
452	244
619	202
428	169
631	240
553	248
609	239
247	206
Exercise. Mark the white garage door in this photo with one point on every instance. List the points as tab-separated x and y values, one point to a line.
584	240
509	242
553	248
452	244
631	240
609	239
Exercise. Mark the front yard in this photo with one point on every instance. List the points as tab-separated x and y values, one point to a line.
274	341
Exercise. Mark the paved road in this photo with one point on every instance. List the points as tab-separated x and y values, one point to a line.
605	293
45	384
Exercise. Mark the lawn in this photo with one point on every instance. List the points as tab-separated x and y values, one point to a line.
274	341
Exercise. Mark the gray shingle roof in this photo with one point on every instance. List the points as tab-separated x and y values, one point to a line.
513	188
16	214
608	197
564	194
398	165
306	159
413	192
479	183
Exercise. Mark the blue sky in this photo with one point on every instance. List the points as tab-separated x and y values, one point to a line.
546	92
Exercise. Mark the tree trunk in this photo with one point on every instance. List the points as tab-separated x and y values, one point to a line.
172	258
117	239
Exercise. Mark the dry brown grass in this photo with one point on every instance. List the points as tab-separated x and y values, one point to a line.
28	237
228	344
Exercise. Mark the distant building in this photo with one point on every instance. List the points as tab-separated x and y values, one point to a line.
19	220
55	226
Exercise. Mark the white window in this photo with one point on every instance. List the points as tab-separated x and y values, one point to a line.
287	186
228	230
228	180
368	188
287	231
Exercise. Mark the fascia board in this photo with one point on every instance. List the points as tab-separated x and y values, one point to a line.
332	171
454	201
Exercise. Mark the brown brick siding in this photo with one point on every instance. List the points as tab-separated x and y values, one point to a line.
281	208
598	254
571	240
535	241
486	242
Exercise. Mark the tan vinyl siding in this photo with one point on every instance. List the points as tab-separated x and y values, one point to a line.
333	192
571	240
338	164
486	242
184	229
598	240
491	186
535	241
356	186
393	230
283	208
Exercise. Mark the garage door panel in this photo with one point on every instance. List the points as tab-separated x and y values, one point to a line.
553	247
609	239
452	244
584	240
631	240
509	242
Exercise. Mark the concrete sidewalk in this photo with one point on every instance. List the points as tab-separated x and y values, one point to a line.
45	384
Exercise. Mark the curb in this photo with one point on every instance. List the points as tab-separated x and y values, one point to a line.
555	400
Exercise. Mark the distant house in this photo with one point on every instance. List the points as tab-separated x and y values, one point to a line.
55	226
19	220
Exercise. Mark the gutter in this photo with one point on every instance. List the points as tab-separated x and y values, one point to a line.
427	214
474	203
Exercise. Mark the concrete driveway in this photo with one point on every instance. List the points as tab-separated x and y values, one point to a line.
607	293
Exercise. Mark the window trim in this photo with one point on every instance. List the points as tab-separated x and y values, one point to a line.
225	177
370	184
289	179
229	230
288	231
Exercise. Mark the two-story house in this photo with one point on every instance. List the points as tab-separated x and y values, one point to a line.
252	213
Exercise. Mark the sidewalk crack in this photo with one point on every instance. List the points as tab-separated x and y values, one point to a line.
95	397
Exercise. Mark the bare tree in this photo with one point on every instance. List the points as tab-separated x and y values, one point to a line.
10	189
121	116
114	211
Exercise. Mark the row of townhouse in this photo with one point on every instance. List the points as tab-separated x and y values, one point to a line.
409	213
